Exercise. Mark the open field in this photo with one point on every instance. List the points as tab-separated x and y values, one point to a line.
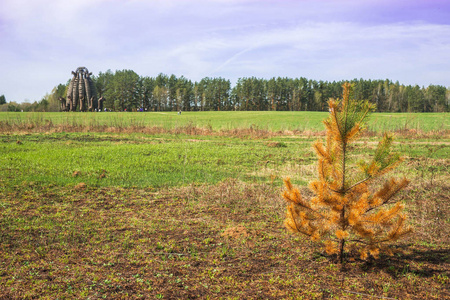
226	120
193	210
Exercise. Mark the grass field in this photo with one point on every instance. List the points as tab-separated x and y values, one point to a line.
227	120
161	206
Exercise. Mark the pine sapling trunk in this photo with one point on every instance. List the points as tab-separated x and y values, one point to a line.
341	250
342	240
342	191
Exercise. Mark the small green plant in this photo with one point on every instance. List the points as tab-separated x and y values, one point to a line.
345	209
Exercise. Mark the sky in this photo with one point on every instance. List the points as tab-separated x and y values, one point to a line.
42	41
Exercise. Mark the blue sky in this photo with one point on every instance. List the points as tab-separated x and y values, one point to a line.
42	41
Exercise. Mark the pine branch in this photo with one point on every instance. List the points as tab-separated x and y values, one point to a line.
358	183
359	241
334	114
391	194
295	222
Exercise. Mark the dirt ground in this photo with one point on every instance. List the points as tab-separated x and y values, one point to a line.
225	241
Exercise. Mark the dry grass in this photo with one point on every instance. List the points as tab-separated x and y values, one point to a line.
48	126
222	241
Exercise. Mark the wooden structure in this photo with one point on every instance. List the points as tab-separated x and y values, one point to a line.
81	93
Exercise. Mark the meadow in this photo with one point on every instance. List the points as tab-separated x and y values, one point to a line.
167	206
226	120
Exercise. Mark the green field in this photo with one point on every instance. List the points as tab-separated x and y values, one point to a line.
140	160
228	120
94	205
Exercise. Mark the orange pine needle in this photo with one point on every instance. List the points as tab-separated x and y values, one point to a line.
343	204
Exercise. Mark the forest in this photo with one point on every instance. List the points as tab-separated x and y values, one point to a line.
126	90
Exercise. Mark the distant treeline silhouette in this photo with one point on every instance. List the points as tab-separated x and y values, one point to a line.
126	90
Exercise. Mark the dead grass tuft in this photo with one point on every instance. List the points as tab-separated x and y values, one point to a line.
81	186
237	231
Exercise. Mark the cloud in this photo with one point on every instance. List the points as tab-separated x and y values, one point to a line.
330	51
41	41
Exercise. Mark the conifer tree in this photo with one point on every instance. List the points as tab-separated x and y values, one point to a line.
348	208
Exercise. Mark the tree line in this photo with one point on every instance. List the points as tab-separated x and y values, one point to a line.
126	90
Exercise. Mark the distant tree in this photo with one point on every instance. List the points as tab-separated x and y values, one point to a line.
126	83
345	209
117	105
172	89
104	86
2	99
13	106
436	98
160	94
198	96
148	85
214	93
53	99
184	94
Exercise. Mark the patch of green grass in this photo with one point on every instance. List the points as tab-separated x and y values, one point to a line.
139	160
142	160
226	120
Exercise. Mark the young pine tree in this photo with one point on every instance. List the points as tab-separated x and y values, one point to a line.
346	209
